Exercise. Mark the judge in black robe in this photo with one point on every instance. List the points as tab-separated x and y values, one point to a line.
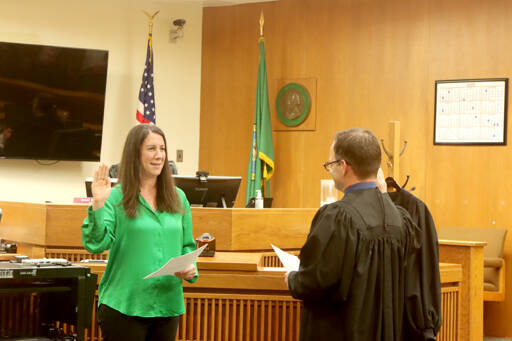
423	284
352	270
352	267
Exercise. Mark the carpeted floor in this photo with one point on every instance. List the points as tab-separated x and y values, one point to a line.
488	338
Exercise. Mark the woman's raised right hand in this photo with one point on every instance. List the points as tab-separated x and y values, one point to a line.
100	187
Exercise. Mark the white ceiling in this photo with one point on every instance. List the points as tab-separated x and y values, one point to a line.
215	3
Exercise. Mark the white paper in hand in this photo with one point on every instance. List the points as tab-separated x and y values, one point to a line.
290	262
177	264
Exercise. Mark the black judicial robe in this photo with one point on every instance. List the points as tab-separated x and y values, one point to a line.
423	284
352	270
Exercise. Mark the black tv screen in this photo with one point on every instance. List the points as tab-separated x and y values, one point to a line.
51	102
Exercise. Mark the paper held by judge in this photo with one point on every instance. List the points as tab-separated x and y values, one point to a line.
177	264
290	262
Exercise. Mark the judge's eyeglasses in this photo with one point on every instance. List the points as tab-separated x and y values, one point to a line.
328	165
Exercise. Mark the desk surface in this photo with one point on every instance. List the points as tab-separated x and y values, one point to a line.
461	242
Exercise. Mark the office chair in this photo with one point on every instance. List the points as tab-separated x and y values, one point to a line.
114	169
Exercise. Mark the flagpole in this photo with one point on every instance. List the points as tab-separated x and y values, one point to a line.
261	156
150	17
146	104
262	23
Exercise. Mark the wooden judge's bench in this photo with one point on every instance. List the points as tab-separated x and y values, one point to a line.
240	293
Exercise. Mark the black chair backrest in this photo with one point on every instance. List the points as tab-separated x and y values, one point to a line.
114	169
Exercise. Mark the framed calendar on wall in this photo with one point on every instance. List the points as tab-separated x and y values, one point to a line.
471	112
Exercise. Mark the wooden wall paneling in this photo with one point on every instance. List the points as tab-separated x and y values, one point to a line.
338	50
221	113
251	229
30	250
234	229
215	221
472	201
286	228
374	62
23	222
42	224
469	184
64	224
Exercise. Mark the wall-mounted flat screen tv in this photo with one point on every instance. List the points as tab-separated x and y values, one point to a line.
51	102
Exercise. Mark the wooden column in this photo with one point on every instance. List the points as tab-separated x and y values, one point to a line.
394	140
471	256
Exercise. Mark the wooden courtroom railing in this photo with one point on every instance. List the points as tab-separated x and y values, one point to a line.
236	290
235	298
74	255
470	255
240	317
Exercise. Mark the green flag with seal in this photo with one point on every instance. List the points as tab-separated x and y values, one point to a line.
261	158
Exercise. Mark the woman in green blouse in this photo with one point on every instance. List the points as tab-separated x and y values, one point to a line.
143	221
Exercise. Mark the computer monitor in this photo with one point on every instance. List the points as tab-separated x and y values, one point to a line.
211	191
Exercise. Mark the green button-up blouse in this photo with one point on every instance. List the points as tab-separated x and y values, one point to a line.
139	246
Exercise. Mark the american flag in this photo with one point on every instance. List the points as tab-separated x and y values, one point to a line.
146	106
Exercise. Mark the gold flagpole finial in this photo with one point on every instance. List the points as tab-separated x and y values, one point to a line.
151	17
262	21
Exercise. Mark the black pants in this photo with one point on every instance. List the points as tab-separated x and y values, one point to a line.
116	326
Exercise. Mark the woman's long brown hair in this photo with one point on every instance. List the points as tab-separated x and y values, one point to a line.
167	199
